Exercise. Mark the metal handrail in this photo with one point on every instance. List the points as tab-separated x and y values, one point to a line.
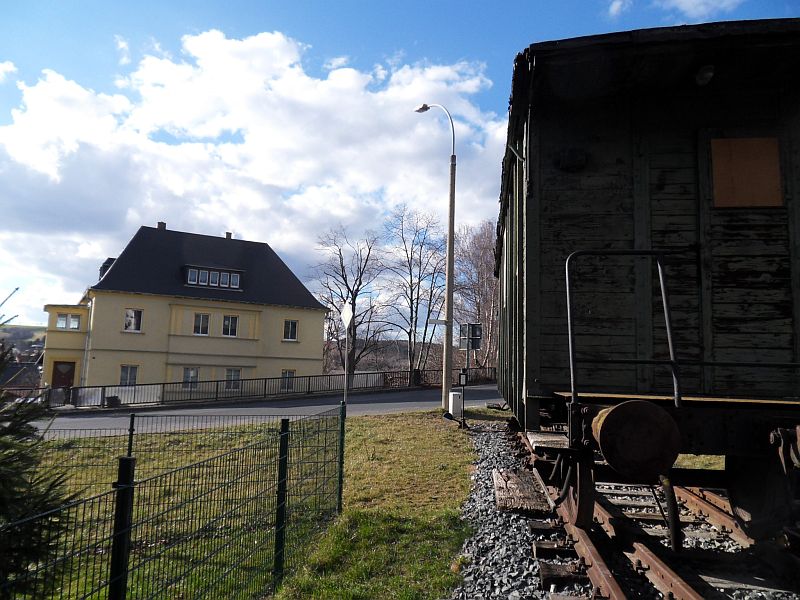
672	362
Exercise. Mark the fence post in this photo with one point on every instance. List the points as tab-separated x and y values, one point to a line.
131	429
280	507
121	540
342	418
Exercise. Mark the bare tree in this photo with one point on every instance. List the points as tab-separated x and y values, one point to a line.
476	287
348	273
414	261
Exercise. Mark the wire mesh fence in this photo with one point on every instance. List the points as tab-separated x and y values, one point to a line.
227	525
160	443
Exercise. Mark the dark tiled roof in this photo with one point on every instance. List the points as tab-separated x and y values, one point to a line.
154	262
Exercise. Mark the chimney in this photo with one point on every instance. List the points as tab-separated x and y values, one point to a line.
162	225
228	235
106	266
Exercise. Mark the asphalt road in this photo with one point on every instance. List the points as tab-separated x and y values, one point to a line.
358	404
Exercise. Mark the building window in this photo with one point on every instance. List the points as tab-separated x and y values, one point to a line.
191	277
201	323
127	374
224	279
67	321
203	280
232	379
133	319
746	172
287	380
191	375
234	280
290	330
230	324
214	278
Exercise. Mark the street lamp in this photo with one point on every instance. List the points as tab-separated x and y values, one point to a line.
447	358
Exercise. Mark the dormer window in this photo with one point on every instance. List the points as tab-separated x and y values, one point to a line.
197	276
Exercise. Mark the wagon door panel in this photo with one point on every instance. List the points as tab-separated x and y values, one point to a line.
746	263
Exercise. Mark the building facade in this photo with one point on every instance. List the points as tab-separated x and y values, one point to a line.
178	306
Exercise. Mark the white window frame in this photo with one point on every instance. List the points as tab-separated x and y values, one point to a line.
68	321
191	276
133	326
195	326
231	319
203	277
286	323
213	278
233	378
235	280
125	372
224	279
287	379
191	377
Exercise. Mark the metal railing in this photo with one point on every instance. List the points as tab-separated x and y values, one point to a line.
228	526
111	396
674	363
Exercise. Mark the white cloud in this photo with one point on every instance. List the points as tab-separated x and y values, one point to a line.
337	62
617	7
699	9
123	49
236	136
6	69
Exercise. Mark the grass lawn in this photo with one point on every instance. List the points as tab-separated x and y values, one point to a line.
399	535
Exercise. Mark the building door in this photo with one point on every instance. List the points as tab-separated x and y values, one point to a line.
63	374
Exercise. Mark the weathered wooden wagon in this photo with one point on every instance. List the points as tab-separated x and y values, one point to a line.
649	255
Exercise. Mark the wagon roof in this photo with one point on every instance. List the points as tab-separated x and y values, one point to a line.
763	53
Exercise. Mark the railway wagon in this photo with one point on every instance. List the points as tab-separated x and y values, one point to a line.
648	250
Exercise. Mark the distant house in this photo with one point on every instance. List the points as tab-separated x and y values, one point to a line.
185	307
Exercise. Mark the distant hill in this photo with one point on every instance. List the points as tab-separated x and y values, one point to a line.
22	336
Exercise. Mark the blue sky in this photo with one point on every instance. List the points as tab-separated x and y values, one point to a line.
254	117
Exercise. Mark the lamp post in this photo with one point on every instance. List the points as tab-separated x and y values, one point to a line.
447	351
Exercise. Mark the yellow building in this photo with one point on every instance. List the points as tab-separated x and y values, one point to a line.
183	307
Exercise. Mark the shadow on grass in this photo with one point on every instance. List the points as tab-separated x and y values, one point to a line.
371	554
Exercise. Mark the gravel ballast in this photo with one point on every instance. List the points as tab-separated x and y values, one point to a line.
497	561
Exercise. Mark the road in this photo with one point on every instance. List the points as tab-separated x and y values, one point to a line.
358	404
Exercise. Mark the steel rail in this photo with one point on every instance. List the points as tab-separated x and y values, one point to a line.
667	581
599	574
715	515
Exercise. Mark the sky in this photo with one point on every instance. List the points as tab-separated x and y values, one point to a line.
275	121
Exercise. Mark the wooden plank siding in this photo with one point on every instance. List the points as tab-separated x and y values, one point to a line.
588	208
615	139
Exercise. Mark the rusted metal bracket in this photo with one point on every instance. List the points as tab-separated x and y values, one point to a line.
788	444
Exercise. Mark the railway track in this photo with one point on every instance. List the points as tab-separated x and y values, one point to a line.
628	551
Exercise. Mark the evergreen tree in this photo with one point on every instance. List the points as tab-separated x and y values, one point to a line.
27	488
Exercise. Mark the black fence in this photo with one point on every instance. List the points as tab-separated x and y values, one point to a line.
243	389
228	526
